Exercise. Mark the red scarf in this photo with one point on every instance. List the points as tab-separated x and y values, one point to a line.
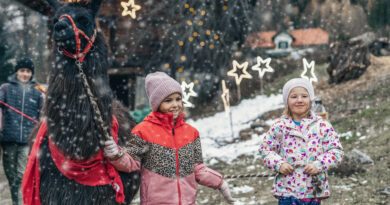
93	172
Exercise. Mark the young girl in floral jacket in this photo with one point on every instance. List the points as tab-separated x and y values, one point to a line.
301	147
166	149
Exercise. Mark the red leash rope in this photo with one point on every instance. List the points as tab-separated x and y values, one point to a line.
78	56
17	111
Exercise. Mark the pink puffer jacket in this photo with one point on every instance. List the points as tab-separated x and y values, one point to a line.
170	159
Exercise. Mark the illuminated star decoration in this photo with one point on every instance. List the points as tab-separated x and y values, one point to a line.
311	66
225	97
258	66
233	72
187	95
133	8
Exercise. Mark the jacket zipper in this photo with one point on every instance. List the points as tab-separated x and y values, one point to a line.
177	167
21	117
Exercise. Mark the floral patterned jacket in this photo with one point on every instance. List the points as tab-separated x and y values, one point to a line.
314	141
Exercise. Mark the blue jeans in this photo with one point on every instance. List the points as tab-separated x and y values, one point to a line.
294	201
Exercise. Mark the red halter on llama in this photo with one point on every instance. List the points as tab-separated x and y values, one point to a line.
66	165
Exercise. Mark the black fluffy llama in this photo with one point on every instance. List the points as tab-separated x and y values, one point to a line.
71	134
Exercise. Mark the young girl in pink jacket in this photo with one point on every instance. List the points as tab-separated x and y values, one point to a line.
166	149
300	146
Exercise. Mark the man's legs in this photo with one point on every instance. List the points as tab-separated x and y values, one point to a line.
14	162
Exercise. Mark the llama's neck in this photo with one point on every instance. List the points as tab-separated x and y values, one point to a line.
70	115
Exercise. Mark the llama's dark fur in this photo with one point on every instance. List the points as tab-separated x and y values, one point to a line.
70	117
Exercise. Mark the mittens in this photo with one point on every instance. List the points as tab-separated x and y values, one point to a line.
226	193
111	149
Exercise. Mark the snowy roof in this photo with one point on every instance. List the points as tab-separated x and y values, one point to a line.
303	37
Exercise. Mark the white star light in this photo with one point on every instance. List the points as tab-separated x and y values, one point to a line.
225	97
311	66
187	95
234	74
267	68
130	8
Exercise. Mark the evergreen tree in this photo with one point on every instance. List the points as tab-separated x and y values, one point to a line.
193	35
6	54
379	17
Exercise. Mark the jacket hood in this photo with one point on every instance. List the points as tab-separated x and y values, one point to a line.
14	80
165	119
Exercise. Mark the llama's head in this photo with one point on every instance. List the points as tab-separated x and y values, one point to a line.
71	18
70	115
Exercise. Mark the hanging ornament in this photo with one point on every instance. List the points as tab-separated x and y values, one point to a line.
130	8
310	65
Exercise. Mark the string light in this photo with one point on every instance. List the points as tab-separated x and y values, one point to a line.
225	97
238	77
258	68
187	95
133	8
310	65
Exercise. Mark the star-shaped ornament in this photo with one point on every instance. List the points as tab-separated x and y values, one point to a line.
310	65
188	91
130	8
267	68
225	97
239	77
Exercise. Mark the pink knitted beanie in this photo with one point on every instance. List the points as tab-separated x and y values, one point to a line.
158	86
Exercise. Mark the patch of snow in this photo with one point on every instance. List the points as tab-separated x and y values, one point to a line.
343	187
215	131
242	189
347	135
250	167
362	137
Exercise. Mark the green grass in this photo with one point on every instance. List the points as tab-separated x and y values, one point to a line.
360	122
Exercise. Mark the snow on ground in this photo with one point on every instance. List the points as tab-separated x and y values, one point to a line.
242	189
215	131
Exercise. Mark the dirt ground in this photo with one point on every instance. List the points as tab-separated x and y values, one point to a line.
5	196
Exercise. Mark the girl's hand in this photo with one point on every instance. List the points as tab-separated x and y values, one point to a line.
286	169
311	169
226	193
111	149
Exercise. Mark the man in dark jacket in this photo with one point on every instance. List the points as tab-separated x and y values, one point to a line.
20	106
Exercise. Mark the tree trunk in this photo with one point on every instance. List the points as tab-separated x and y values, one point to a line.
349	60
